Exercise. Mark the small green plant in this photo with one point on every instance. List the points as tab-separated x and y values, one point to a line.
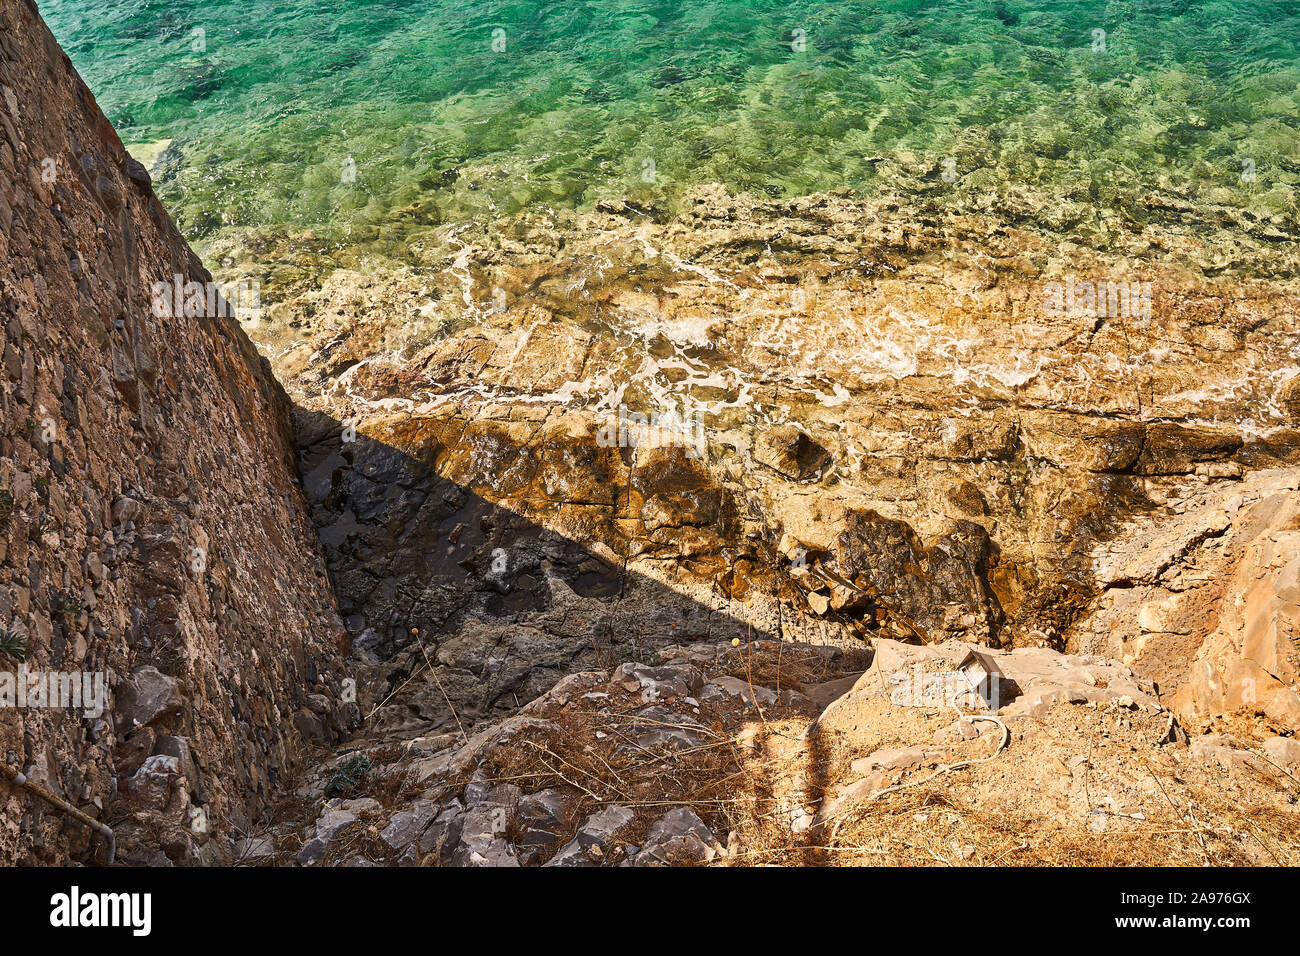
13	645
175	664
348	776
635	654
43	482
67	605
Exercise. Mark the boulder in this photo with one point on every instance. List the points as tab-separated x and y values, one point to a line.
329	823
541	818
442	836
722	688
678	838
158	787
482	839
592	844
658	728
179	747
146	696
472	752
406	826
660	683
1283	751
312	852
133	752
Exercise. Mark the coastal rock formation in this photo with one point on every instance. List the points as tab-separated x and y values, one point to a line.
152	527
1206	601
825	418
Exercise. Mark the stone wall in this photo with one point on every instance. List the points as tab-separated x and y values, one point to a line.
152	525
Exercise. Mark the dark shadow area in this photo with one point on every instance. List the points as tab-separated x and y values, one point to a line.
817	781
502	605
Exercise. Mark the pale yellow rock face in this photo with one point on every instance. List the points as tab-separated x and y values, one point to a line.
1207	604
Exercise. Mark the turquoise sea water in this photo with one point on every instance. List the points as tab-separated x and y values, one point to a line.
453	109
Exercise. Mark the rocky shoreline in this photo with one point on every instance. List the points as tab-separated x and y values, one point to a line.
812	420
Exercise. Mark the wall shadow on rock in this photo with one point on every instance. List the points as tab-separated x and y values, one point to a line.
502	603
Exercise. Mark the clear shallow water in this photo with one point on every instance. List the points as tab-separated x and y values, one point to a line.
443	126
